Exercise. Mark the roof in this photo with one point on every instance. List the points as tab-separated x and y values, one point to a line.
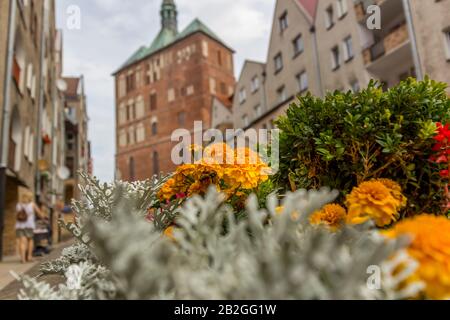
227	103
72	86
167	37
310	8
247	62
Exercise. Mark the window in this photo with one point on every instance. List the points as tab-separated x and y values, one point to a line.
122	139
447	43
122	87
17	71
122	114
254	84
335	58
182	118
154	128
140	108
29	76
278	62
281	92
131	136
348	48
298	45
190	90
130	112
223	88
341	8
355	86
131	82
140	133
329	17
156	163
245	120
212	85
283	22
153	102
242	96
147	74
219	58
132	169
205	50
258	110
302	80
171	95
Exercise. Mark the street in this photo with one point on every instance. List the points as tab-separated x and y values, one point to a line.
9	288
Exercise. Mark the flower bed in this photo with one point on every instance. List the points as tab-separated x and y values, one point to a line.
220	229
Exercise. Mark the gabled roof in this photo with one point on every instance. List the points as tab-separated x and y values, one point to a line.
246	63
310	8
167	37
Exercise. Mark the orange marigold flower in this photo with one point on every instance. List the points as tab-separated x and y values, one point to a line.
396	191
430	247
372	200
332	215
169	233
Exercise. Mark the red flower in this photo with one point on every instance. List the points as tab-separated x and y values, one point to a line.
444	173
437	147
442	159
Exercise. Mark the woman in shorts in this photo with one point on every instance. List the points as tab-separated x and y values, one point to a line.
25	229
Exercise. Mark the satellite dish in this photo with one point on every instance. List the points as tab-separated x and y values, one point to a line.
63	173
61	85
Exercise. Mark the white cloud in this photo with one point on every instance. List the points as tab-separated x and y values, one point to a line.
113	29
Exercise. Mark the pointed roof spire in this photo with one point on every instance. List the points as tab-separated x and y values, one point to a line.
169	15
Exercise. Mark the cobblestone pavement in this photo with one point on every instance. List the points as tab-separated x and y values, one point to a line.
11	291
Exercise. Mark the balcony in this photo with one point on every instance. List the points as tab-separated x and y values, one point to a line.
395	39
390	11
362	5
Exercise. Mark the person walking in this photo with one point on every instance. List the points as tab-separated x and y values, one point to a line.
25	225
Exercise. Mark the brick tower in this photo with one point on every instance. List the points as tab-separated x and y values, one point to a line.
167	86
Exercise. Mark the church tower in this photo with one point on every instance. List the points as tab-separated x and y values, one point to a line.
169	15
177	79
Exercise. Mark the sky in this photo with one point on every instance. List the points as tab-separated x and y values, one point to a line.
111	30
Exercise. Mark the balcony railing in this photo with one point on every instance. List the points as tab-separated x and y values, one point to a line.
391	41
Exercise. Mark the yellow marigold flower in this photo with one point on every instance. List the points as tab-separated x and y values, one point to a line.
372	200
430	247
332	215
218	167
396	191
218	153
167	191
195	148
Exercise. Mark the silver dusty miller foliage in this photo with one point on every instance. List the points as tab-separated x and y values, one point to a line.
121	255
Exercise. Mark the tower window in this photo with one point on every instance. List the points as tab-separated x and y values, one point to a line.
153	102
219	57
154	128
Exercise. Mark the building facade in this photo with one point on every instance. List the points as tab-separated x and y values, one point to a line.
167	86
32	132
77	153
320	46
